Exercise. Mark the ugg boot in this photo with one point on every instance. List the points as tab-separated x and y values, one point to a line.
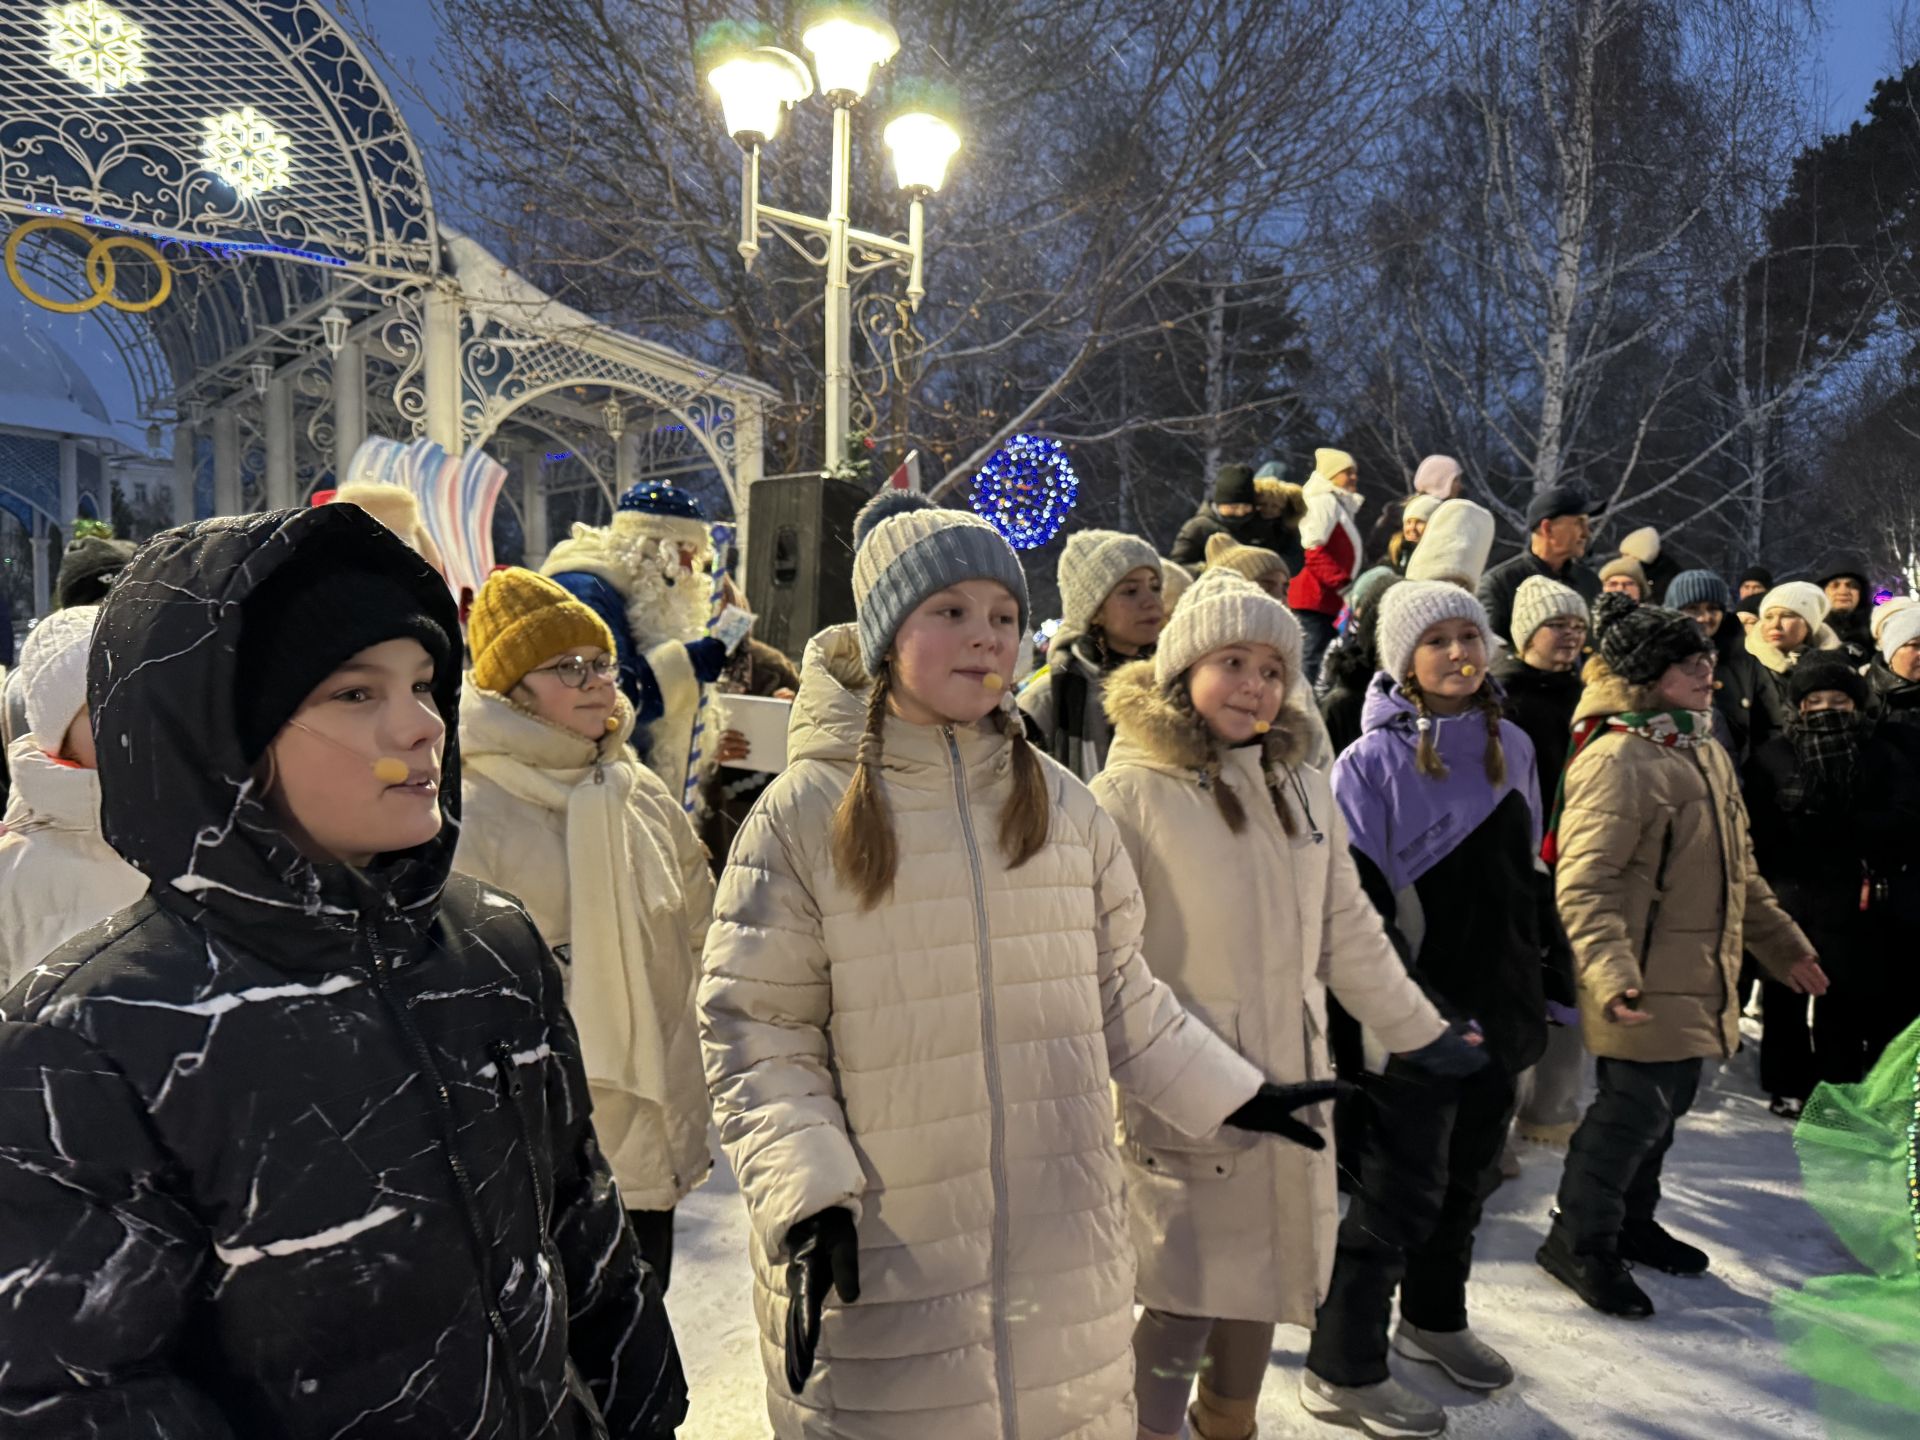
1213	1418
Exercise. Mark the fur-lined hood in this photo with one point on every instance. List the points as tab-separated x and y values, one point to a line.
1779	663
1150	730
1609	693
1279	500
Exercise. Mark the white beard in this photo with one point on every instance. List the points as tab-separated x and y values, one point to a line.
665	600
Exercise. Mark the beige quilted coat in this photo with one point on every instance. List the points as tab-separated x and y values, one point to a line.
1249	931
940	1066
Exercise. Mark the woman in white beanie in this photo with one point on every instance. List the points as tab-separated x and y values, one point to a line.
923	978
1414	516
1443	813
1896	664
1110	612
58	875
1236	842
1792	625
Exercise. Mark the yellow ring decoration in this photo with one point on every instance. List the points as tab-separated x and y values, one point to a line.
99	267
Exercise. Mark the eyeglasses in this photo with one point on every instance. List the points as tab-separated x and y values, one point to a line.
1699	665
572	671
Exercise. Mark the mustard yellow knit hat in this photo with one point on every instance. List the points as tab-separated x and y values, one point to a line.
521	619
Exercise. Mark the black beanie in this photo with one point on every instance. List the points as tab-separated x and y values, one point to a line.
1823	670
302	624
1233	485
1757	572
1639	642
88	569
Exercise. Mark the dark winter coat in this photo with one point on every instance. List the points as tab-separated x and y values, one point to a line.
1500	584
1748	709
286	1150
1541	703
1855	629
1897	701
1190	545
1345	674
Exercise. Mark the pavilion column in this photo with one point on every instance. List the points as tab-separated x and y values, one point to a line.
279	426
533	508
626	462
41	544
440	367
186	457
228	496
69	484
349	405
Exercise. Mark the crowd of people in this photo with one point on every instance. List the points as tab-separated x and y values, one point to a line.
380	963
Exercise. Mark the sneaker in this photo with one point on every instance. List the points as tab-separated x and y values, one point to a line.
1786	1107
1468	1360
1598	1277
1646	1242
1387	1409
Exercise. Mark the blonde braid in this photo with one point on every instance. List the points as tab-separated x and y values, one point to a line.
865	849
1231	810
1027	817
1496	753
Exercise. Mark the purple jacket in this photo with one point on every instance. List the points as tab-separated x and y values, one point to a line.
1406	822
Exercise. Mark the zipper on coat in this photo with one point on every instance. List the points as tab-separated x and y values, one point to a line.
996	1117
508	1075
464	1193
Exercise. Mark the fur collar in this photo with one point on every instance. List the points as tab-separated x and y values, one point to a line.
1145	719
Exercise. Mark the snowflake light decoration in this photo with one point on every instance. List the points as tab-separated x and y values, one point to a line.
244	149
95	45
1026	489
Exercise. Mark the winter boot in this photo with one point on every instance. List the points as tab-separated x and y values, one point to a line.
1387	1409
1646	1242
1598	1277
1181	1434
1213	1418
1469	1361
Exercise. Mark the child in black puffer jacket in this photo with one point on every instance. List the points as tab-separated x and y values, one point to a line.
298	1145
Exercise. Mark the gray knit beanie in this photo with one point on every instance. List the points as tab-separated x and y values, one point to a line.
1222	608
1413	607
1093	562
907	548
1698	587
1538	600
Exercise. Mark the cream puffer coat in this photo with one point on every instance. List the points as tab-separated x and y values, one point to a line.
1249	931
939	1065
1658	889
617	883
58	876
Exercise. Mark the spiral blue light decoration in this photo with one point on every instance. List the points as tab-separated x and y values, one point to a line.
1026	490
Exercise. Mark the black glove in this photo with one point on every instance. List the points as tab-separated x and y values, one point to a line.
825	1251
708	658
1270	1111
1449	1056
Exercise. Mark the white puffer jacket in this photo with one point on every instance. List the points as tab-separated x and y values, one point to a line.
1249	931
57	875
608	866
940	1065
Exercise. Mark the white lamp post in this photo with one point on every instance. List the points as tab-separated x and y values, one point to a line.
756	85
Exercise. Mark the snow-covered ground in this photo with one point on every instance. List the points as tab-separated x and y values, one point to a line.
1706	1365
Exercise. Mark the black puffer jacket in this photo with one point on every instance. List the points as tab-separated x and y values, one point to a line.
1541	703
1896	701
1747	706
285	1150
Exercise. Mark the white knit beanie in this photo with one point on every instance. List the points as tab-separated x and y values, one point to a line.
1458	541
1421	507
1413	607
1900	628
53	668
1222	608
1884	613
1802	597
1642	545
1538	600
1328	462
1093	562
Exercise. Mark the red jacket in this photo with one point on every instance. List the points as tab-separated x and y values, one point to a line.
1332	544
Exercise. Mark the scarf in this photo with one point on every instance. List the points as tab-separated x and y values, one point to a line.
1674	729
614	866
1826	747
1080	727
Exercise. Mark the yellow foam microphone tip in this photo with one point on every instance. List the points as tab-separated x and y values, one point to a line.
1261	727
1469	670
613	724
389	771
993	681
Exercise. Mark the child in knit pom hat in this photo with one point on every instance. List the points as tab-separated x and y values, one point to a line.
1111	612
58	875
1442	809
1218	811
317	1094
1659	895
925	972
604	858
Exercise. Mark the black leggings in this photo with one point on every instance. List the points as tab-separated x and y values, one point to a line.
654	1230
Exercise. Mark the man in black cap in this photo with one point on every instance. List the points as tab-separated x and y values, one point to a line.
1558	532
1233	511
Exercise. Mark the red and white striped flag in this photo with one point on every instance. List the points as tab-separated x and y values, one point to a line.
907	477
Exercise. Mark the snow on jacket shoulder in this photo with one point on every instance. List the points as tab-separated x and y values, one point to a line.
284	1149
609	868
1249	931
1659	891
939	1065
57	875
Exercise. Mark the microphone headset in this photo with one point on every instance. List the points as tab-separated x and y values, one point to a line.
387	769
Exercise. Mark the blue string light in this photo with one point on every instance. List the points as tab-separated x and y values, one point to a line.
1026	490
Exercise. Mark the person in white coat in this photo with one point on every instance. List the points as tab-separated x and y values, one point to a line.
58	875
1254	912
923	975
559	812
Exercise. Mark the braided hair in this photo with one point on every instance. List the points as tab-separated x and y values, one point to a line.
1231	810
1426	756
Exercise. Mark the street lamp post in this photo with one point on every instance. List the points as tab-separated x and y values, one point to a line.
756	85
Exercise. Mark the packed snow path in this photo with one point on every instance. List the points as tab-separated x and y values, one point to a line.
1705	1366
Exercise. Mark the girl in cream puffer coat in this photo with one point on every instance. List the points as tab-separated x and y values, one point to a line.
1254	910
914	1004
